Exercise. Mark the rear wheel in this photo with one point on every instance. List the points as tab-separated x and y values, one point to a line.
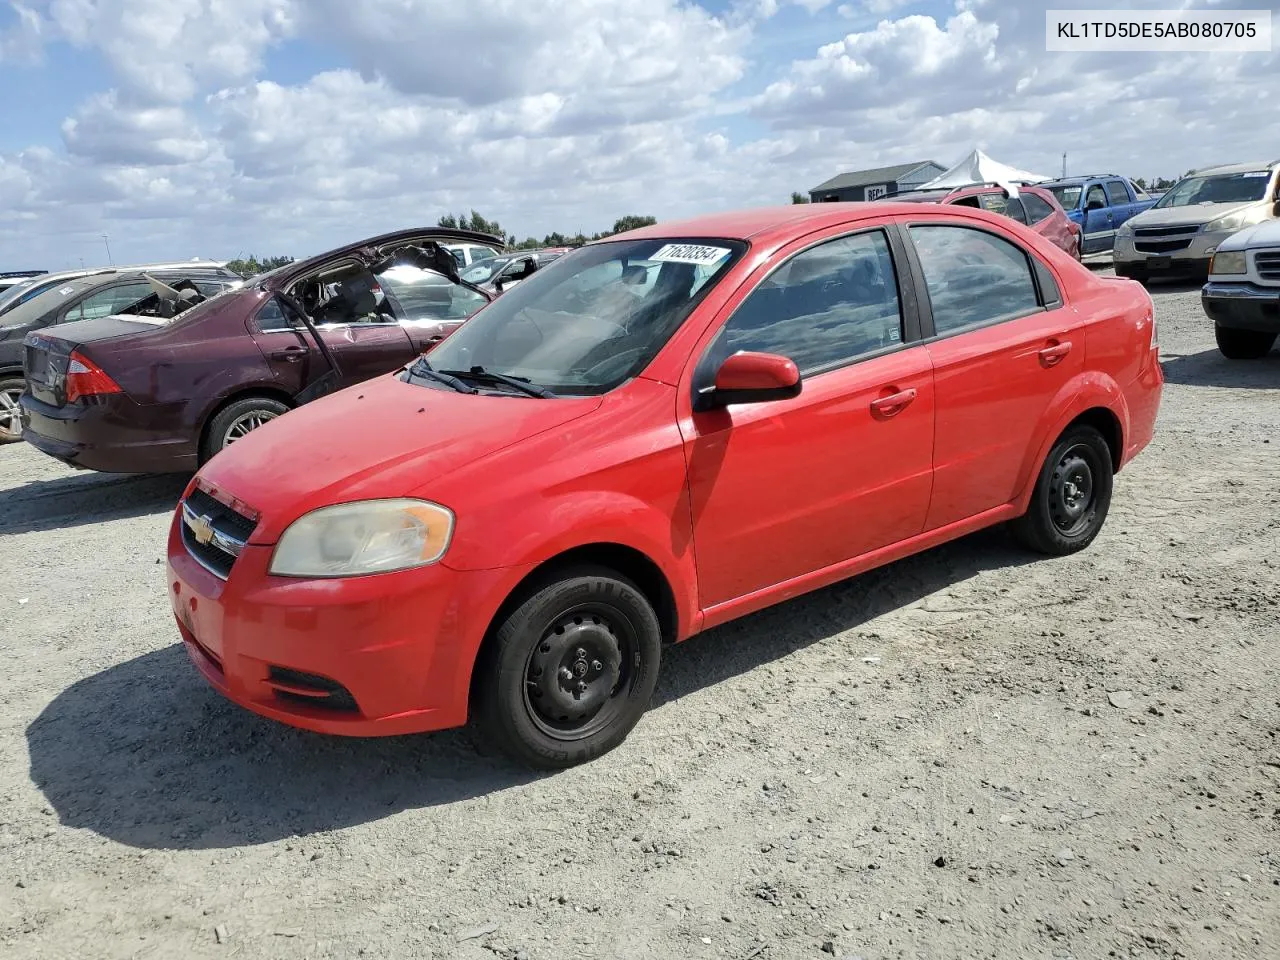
1237	344
10	412
1072	495
235	421
570	671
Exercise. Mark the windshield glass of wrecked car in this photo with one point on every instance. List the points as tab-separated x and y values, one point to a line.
592	319
1224	188
1069	197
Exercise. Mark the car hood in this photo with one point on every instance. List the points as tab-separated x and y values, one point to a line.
1181	216
1265	234
384	438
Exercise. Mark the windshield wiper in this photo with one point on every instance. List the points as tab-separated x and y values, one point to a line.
516	383
421	368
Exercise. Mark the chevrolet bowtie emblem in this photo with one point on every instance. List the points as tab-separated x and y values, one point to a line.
202	529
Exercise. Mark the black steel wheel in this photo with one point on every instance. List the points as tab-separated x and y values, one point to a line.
569	672
1072	494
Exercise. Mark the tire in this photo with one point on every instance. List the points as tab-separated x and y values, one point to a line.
1072	495
10	414
1236	344
235	420
584	627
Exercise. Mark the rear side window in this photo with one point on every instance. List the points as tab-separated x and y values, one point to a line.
1116	192
1010	207
106	302
973	277
1037	209
823	308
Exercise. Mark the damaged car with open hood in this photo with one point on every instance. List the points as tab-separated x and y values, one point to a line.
126	393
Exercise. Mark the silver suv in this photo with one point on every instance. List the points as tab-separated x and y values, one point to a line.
1178	236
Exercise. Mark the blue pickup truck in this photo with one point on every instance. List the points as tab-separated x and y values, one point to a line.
1099	204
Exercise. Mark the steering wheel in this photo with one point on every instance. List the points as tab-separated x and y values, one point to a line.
613	365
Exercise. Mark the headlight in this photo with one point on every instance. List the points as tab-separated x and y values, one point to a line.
1238	220
369	536
1230	261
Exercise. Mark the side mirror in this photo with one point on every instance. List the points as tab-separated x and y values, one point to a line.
1094	205
748	377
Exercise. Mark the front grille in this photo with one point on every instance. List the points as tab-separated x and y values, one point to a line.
1164	239
213	532
1267	263
310	690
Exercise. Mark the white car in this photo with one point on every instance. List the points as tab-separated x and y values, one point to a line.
468	254
1242	296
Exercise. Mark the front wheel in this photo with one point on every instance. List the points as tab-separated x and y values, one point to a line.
1072	495
569	672
10	412
1237	344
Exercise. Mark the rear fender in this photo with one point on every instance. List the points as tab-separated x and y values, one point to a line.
1087	391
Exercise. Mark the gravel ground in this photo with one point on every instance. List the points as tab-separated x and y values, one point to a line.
972	753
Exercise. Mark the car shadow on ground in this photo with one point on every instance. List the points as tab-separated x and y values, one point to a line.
80	499
146	754
1211	369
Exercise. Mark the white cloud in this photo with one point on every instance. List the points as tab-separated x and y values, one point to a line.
564	117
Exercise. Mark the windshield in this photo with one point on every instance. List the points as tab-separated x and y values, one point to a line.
9	296
592	319
1224	188
1068	196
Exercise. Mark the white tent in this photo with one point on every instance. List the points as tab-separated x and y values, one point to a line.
977	167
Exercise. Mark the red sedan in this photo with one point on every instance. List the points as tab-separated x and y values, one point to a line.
654	435
1034	206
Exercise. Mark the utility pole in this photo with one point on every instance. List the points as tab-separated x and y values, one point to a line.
106	240
1064	166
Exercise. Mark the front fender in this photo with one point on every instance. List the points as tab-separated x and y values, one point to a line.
548	527
1089	390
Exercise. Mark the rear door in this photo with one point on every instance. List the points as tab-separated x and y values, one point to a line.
1121	202
1099	223
1048	221
1003	347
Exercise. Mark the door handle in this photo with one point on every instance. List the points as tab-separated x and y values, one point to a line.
1055	353
289	353
893	404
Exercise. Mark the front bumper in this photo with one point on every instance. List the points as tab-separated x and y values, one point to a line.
1242	306
365	656
1192	261
106	433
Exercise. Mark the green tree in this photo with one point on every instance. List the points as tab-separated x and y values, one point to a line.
630	222
251	266
1141	183
798	197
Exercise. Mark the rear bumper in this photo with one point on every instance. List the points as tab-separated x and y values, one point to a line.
1242	306
106	434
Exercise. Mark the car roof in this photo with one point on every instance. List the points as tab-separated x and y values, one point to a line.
50	300
1233	168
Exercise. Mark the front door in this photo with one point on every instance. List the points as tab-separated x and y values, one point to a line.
1006	348
785	488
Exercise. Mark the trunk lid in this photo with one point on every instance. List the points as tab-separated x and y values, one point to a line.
47	352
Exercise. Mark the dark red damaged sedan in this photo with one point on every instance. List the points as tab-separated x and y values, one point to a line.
135	394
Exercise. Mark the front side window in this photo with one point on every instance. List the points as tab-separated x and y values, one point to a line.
104	303
423	295
973	277
1223	188
1095	197
823	308
586	323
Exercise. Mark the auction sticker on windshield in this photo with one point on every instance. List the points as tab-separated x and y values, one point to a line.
689	253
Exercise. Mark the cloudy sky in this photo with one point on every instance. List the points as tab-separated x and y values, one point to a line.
223	127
